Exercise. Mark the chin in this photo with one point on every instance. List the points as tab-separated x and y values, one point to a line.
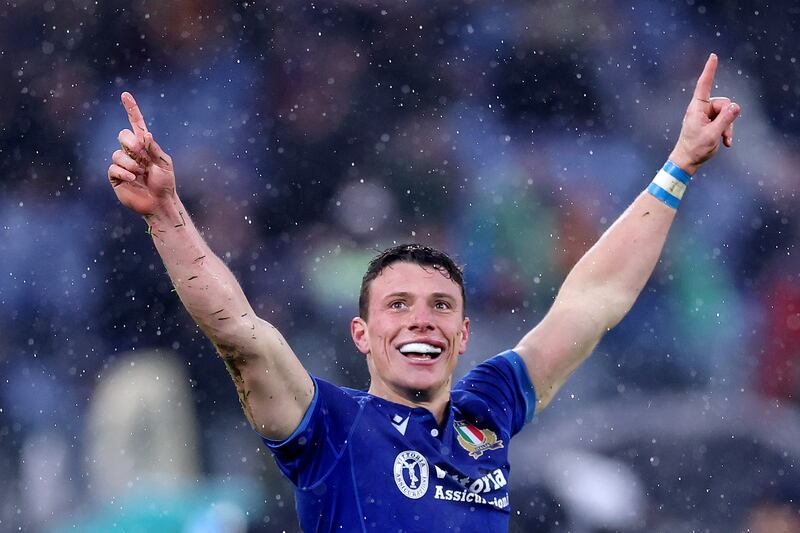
424	387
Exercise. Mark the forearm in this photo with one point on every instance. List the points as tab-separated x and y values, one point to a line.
609	277
205	285
274	388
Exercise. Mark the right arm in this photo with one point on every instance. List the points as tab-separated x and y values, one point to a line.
274	388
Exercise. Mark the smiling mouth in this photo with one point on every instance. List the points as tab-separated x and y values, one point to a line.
420	351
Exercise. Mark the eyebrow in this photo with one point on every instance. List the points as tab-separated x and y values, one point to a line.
443	295
402	294
397	295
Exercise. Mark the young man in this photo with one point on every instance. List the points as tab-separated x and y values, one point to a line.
415	452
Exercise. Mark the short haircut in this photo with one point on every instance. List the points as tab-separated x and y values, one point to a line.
417	254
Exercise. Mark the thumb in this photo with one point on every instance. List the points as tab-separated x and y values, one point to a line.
158	155
725	119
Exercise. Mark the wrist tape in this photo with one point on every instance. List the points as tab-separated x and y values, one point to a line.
669	184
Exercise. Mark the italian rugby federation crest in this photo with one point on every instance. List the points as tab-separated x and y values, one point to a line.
474	440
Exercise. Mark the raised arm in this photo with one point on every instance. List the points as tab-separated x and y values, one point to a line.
274	388
604	284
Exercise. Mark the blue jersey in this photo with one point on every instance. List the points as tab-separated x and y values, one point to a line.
363	463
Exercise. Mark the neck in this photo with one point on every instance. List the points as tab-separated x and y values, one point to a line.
435	403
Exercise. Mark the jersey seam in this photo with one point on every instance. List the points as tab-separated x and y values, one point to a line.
355	490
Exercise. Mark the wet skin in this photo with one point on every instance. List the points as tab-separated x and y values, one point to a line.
412	303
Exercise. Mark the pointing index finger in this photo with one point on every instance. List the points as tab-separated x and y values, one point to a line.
702	90
134	115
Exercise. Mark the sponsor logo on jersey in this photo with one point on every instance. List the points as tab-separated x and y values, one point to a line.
487	490
411	474
465	496
474	440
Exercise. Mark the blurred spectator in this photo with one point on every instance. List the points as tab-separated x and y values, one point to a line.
143	457
776	511
779	366
142	427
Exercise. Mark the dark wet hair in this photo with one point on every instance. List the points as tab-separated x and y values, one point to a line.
409	253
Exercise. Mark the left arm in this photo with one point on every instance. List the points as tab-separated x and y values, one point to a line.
604	284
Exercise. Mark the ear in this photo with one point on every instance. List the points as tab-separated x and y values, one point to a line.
358	330
462	344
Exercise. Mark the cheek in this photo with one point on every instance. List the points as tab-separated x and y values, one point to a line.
385	329
455	342
379	338
458	339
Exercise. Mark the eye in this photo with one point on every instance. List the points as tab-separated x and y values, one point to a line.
442	305
397	304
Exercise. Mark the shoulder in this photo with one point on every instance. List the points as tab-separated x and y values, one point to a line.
331	396
507	365
501	383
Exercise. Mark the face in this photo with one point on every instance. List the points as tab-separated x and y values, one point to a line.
415	332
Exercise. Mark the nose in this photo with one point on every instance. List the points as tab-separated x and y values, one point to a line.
420	319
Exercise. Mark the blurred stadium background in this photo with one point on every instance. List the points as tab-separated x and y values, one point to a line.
309	135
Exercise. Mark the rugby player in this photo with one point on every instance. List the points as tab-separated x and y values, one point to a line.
415	452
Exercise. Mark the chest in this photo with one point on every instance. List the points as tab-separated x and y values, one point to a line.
406	461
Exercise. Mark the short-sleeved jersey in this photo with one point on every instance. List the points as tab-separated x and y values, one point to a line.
361	463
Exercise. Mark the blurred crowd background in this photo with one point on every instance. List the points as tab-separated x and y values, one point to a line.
307	136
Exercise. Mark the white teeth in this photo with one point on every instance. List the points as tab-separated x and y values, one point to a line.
420	347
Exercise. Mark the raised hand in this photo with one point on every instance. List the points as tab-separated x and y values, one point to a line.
141	173
708	123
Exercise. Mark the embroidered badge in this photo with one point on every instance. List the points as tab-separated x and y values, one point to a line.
474	440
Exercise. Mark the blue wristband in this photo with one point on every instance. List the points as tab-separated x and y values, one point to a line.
669	184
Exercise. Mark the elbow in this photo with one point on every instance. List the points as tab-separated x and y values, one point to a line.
226	331
615	310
